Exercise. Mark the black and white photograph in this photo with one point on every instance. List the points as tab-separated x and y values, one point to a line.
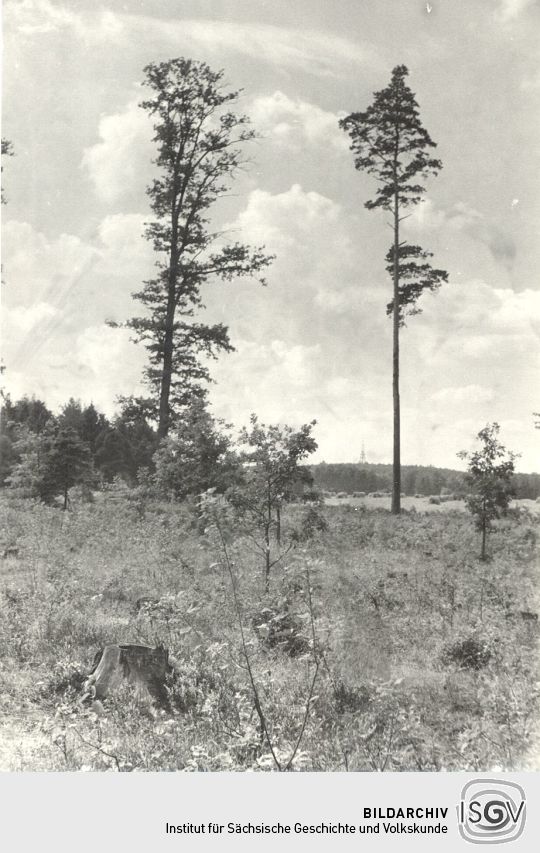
270	387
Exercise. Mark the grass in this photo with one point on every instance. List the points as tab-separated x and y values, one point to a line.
424	659
421	504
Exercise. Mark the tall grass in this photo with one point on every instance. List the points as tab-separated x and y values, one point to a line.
426	662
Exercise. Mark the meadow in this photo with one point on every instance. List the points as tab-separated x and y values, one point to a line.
424	504
383	643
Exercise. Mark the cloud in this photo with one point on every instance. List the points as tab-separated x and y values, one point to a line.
288	382
467	318
302	341
107	364
469	394
121	243
285	375
317	254
72	275
484	340
315	343
24	319
509	10
470	358
307	50
36	268
474	340
294	122
291	223
115	163
302	49
463	218
530	83
93	366
56	291
39	17
315	276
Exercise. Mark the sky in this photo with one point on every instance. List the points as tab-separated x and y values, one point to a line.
315	343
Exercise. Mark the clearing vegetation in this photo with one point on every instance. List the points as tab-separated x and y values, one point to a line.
383	643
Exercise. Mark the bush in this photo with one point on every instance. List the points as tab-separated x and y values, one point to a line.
470	653
434	499
351	699
312	523
281	630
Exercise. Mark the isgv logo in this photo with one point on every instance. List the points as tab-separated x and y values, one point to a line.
491	811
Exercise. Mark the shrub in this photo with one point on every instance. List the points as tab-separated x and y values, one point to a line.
281	630
470	653
351	699
312	523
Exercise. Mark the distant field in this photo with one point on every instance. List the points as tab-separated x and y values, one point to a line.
419	504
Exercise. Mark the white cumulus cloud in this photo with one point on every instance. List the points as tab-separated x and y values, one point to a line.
294	219
57	295
114	164
461	217
294	122
23	319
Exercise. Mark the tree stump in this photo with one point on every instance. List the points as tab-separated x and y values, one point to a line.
142	666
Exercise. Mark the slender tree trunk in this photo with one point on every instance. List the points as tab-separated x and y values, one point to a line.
65	498
396	484
484	532
267	558
168	344
267	543
166	378
278	524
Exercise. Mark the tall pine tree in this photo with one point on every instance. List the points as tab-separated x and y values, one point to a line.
390	143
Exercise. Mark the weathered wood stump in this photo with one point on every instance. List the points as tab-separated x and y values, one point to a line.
142	666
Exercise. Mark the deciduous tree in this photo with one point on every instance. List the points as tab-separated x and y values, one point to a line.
489	476
19	420
196	456
271	457
199	140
